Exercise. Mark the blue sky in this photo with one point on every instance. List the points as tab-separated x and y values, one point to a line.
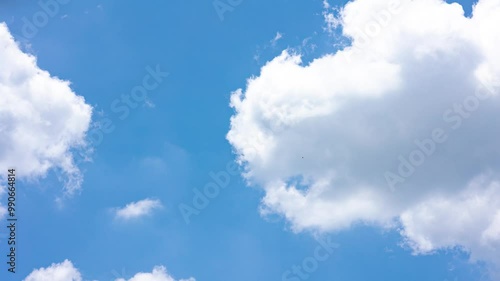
170	143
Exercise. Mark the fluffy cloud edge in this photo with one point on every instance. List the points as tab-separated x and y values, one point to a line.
138	209
45	107
66	271
276	114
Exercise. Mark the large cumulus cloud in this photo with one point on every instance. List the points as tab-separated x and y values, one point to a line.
398	129
41	118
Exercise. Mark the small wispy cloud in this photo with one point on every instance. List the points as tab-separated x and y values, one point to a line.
326	5
332	17
138	209
276	39
271	44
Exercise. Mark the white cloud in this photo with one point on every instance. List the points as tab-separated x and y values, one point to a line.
138	209
64	271
159	273
327	132
41	118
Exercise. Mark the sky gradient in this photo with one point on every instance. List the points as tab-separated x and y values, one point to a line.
136	152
